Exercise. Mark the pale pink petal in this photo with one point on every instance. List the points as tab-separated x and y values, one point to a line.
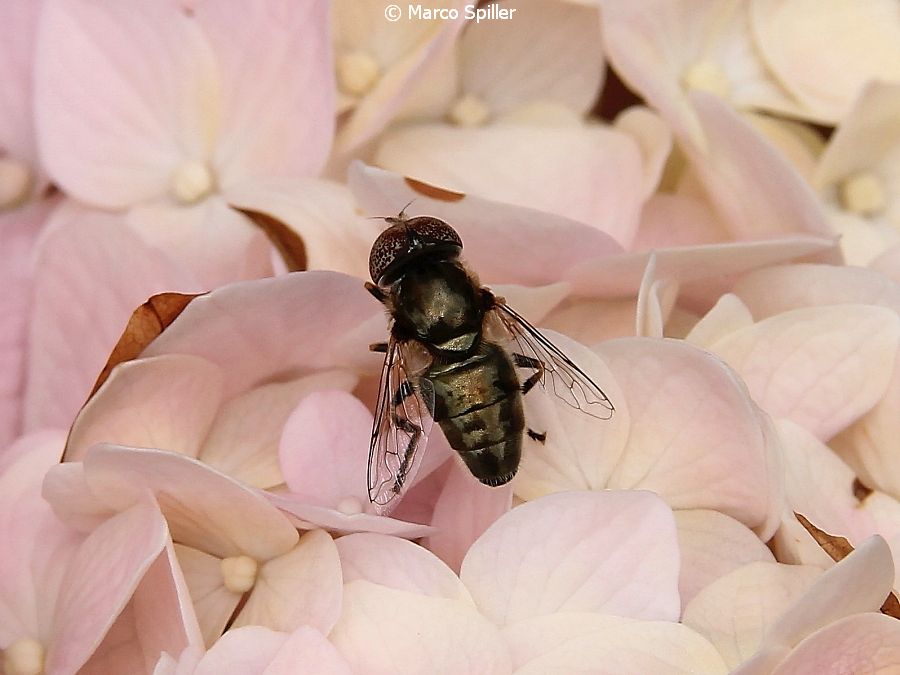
865	138
505	243
323	449
755	190
549	54
100	579
33	563
695	435
669	220
400	564
91	273
215	242
67	491
384	630
822	367
335	236
214	604
307	649
18	232
277	103
403	53
159	619
662	48
242	651
781	288
621	275
205	509
868	445
863	44
888	263
727	316
819	486
114	124
18	27
167	402
735	611
580	450
607	552
464	510
712	545
591	321
867	642
243	441
263	330
656	298
858	583
300	587
570	642
654	137
570	171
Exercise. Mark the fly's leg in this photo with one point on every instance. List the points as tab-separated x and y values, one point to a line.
523	361
380	347
404	391
379	295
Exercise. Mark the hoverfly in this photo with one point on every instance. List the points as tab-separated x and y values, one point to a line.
443	364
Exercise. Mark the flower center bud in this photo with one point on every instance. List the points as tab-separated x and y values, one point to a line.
469	111
350	506
15	183
25	656
357	73
192	181
707	76
863	193
239	573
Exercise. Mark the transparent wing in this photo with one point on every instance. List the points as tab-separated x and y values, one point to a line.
556	371
403	420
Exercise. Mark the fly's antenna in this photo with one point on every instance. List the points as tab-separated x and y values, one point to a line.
399	219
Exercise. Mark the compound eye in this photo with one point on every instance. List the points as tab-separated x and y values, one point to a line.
390	244
434	229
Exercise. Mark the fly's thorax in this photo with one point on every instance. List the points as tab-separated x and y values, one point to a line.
438	304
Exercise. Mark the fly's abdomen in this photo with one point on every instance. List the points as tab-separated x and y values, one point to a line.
479	407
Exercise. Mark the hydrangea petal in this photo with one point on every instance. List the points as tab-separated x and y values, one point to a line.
582	642
712	545
400	564
291	79
242	651
167	402
214	604
271	329
463	511
159	618
822	367
544	247
114	124
448	632
608	552
301	587
335	236
243	440
735	610
580	451
692	425
92	271
550	54
864	45
100	579
18	27
860	643
204	508
727	316
598	162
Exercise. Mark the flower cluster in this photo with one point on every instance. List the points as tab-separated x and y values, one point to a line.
698	201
